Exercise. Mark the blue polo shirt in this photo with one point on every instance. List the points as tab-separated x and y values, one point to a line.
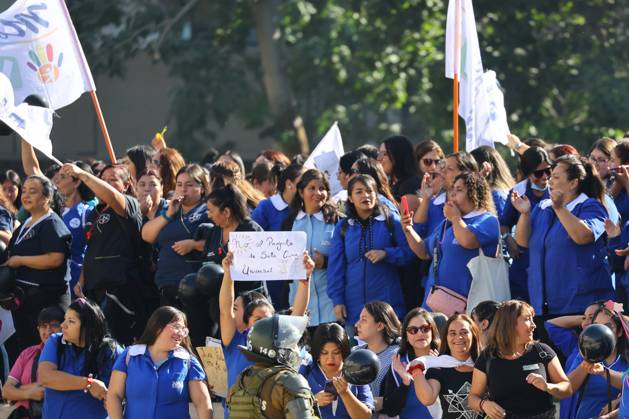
158	392
555	257
235	360
452	270
75	219
317	381
72	403
171	267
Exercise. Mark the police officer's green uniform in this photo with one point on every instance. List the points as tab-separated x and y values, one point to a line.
272	388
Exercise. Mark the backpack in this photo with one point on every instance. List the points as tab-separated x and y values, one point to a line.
245	400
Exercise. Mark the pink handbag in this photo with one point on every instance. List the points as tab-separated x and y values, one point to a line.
446	301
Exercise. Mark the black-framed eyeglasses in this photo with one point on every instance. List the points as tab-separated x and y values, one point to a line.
541	172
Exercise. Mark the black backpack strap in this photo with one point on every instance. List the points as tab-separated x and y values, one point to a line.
34	367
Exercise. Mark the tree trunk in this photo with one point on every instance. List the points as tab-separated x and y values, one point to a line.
276	84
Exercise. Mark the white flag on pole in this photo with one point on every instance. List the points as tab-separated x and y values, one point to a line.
479	95
32	123
326	156
41	54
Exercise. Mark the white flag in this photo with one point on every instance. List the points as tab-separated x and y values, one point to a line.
491	116
326	156
41	54
32	123
470	66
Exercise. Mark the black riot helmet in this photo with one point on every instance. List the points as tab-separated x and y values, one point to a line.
274	340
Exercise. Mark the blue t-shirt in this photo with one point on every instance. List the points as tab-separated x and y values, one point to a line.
6	220
158	392
271	213
317	381
235	360
452	271
171	267
73	403
75	219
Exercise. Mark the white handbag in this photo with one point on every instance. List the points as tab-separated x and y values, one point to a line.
490	279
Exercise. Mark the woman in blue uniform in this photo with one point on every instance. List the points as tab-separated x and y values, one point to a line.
619	187
271	213
367	249
420	337
159	375
371	167
38	254
174	232
470	224
565	234
335	396
314	213
535	167
75	365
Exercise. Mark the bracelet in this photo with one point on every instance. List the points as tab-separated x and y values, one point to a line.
167	218
419	366
90	380
480	405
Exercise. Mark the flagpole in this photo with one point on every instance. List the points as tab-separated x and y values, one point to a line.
457	66
103	126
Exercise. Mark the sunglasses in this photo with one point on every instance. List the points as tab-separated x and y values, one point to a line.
412	330
430	162
541	172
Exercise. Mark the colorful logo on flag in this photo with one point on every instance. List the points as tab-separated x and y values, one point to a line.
43	62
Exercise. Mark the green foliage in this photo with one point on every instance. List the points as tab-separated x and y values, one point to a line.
376	66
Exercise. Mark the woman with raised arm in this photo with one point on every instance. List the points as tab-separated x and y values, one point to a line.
566	238
113	265
236	318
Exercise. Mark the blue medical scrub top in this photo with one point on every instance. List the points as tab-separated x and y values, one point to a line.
317	381
518	271
567	341
413	408
171	267
624	400
73	403
75	219
564	277
595	393
452	271
500	200
271	213
158	392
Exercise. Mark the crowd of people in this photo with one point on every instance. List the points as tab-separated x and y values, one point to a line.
120	270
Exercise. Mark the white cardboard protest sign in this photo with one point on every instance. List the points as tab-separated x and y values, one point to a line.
267	256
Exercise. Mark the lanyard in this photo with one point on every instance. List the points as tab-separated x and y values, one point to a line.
24	232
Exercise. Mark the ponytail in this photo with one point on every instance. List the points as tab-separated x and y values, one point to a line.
592	185
282	174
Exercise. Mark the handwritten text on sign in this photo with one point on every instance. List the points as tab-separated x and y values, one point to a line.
267	256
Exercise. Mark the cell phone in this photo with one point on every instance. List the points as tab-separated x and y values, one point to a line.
404	203
329	388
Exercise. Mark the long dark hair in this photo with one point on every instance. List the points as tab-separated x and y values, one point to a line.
373	168
582	170
94	334
14	178
621	341
371	183
405	347
161	318
402	156
197	174
283	173
330	213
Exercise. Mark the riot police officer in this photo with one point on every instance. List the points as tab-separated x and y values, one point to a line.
272	387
